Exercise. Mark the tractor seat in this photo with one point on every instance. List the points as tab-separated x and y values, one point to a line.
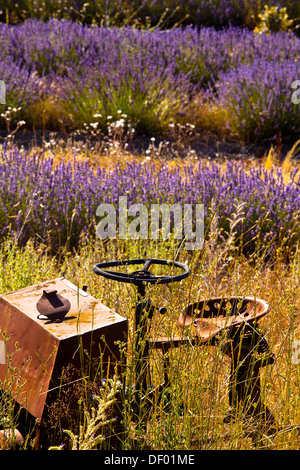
211	316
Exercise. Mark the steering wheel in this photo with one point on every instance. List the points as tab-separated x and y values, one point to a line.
142	276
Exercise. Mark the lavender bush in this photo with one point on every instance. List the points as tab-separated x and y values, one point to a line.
22	87
257	98
57	203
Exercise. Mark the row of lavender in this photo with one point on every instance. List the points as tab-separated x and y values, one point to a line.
58	203
64	74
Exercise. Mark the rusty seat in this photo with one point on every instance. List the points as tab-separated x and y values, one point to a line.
209	317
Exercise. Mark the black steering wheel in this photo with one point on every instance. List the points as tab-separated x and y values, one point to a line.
144	275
